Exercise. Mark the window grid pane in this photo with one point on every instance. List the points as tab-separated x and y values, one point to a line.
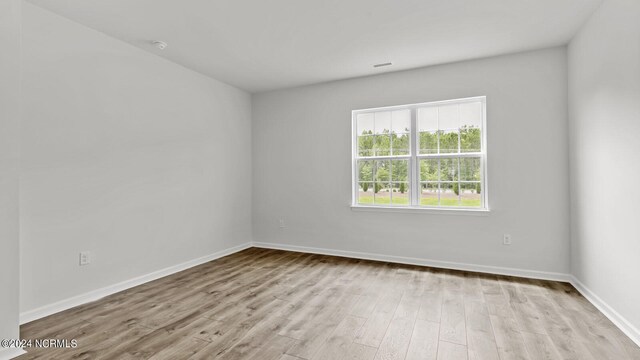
450	182
365	192
448	155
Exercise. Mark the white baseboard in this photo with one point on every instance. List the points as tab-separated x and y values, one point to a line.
65	304
10	353
533	274
623	324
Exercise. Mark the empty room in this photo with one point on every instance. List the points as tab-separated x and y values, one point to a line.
320	180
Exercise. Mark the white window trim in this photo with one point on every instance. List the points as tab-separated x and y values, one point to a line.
414	165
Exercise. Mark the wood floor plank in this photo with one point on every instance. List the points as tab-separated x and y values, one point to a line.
314	337
568	343
257	339
80	333
109	344
288	357
453	280
409	306
451	351
364	305
433	279
599	335
303	298
359	352
374	329
424	341
509	339
481	343
396	340
526	314
418	282
321	318
274	349
372	292
183	349
272	304
472	287
172	334
234	330
565	337
540	346
453	323
338	343
431	305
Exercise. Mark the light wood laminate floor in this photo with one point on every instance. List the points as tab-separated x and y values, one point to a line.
269	304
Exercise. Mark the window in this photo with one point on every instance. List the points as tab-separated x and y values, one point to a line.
430	155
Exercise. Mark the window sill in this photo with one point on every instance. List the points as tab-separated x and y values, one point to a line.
422	210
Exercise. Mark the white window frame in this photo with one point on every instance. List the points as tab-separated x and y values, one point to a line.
414	158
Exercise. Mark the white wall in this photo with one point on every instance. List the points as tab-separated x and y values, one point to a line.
604	87
302	165
9	160
137	159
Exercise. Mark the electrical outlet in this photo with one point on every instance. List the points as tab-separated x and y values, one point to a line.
506	240
281	223
85	258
